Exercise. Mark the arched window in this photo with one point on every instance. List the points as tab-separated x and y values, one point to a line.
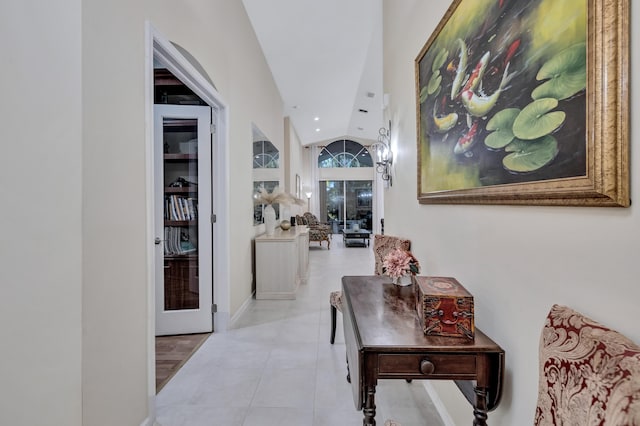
265	155
344	153
345	196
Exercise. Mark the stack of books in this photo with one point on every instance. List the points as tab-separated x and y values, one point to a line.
177	207
177	241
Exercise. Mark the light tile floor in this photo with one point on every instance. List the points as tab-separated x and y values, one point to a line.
276	367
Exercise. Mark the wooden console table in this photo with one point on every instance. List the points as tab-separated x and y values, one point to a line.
384	341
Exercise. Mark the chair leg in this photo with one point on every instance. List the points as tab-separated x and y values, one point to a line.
333	323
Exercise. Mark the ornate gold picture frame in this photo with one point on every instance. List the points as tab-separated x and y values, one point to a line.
525	102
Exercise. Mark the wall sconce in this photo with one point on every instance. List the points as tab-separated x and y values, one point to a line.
384	154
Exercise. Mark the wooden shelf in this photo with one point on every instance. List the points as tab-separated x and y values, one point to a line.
190	256
181	189
180	157
180	223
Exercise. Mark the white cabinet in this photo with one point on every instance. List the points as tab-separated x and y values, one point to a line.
282	262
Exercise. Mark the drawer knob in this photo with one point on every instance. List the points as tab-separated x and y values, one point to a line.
427	367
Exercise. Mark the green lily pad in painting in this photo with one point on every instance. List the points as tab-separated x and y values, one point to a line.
528	156
566	74
535	120
501	126
434	83
439	60
423	94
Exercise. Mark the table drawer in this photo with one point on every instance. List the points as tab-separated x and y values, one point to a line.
433	366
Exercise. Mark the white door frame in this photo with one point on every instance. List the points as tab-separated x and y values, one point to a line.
158	46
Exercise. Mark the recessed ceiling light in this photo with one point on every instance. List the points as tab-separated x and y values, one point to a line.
317	130
316	118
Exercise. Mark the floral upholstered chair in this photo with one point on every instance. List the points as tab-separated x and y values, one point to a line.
313	222
317	231
382	245
589	374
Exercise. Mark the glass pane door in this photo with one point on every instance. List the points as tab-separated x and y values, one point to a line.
332	204
346	204
180	179
358	206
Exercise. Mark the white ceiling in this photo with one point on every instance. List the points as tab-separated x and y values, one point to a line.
326	59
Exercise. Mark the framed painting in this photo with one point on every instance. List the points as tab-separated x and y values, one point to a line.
525	102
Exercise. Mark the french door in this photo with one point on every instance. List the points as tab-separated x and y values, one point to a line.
346	203
183	230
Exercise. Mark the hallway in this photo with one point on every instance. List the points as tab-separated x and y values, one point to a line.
276	366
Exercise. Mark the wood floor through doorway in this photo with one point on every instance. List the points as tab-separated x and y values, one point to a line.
172	352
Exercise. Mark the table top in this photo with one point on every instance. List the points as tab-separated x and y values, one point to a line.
359	232
385	317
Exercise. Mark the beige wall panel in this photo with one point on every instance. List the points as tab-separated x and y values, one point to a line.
517	261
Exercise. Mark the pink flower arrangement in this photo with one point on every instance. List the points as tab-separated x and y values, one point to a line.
399	263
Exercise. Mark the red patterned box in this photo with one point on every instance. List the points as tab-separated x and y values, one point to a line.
444	307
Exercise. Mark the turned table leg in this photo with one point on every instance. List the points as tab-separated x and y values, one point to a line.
369	409
480	409
348	372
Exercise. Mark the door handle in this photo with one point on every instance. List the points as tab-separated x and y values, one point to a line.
157	241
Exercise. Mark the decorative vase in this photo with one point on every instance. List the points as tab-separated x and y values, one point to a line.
285	225
269	215
404	280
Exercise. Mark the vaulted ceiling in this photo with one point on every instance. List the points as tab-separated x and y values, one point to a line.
326	59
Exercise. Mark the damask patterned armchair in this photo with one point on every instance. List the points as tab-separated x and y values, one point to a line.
317	231
589	374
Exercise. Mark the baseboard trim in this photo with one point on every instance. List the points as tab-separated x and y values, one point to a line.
437	402
240	311
149	422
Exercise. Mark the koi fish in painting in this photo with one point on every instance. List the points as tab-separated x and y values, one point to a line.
513	48
479	105
478	72
460	69
444	123
466	141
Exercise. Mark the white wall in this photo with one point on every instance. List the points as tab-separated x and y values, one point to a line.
73	311
295	166
40	198
114	295
517	261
